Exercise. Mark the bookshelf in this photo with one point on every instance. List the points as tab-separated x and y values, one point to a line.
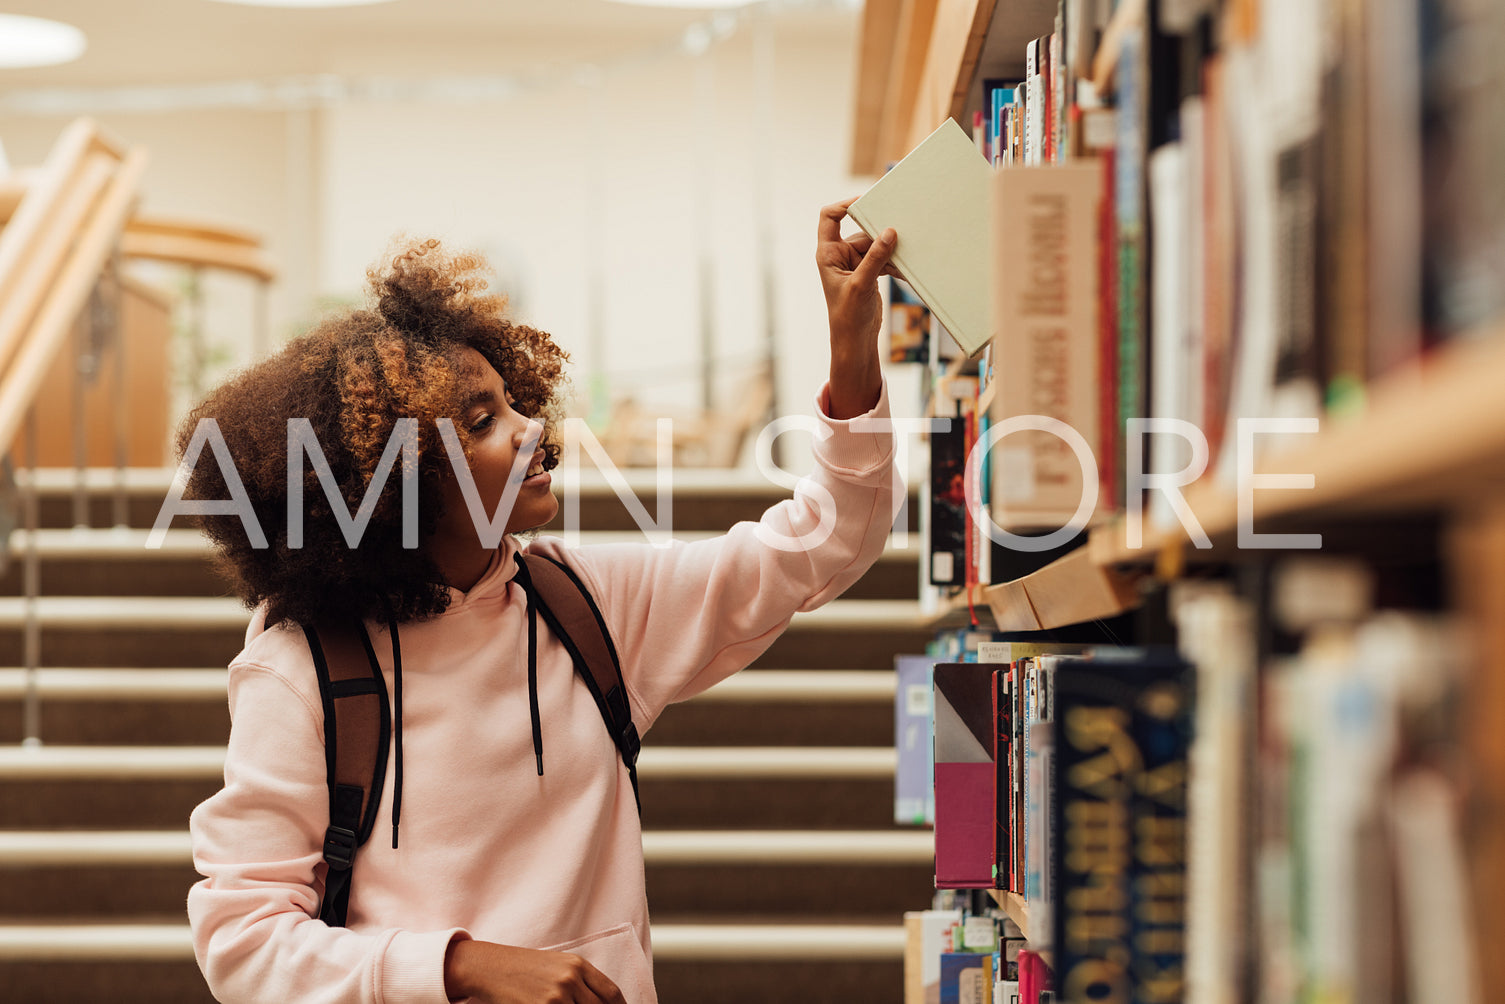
1014	906
1431	438
1423	439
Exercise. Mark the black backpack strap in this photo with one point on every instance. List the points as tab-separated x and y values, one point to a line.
357	731
572	614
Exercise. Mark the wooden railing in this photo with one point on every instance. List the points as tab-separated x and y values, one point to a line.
67	227
62	234
181	241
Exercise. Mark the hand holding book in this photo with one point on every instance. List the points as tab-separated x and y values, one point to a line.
849	270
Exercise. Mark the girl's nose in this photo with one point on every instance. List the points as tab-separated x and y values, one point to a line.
530	432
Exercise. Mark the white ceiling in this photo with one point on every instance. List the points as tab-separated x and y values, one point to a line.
136	42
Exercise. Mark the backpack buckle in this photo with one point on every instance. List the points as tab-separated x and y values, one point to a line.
630	744
339	846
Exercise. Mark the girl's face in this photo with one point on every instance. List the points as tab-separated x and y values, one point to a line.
498	435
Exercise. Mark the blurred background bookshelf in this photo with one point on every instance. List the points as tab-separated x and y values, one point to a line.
1300	263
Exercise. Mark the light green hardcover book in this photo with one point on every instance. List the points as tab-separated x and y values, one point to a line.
936	199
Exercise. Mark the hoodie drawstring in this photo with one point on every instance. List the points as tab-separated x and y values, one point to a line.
533	681
526	583
396	726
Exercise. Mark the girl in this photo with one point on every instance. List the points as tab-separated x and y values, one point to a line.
511	876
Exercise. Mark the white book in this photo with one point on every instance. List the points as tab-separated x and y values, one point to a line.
1169	366
936	200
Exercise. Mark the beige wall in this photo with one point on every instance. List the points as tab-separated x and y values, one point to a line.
633	177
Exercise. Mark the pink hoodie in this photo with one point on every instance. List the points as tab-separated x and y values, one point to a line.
489	849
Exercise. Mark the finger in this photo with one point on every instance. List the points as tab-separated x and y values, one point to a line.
860	243
601	985
830	220
877	257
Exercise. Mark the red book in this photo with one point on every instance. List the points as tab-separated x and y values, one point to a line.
964	776
1107	319
1034	976
1003	801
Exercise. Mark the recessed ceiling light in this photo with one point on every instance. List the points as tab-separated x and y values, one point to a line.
688	4
35	41
303	3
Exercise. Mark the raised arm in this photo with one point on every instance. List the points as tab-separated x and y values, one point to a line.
849	271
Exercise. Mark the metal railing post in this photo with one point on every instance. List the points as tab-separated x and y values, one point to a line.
81	363
114	334
31	714
198	353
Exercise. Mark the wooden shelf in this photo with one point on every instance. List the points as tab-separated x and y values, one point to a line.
985	397
1432	438
1014	906
916	65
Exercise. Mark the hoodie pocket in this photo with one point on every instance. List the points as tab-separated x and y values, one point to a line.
618	953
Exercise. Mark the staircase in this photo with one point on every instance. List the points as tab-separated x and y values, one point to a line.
775	873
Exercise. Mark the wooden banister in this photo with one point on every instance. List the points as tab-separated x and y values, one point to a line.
38	203
58	241
32	277
179	240
201	250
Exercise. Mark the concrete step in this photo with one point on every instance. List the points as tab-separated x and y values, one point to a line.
117	562
206	631
132	763
731	963
115	788
702	499
119	705
814	803
112	874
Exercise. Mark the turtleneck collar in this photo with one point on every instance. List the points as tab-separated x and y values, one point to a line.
499	571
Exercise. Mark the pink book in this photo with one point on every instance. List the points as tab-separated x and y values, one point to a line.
964	776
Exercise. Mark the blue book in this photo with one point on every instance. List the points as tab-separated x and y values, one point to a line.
962	977
914	793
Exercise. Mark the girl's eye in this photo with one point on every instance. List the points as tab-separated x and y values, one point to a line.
482	423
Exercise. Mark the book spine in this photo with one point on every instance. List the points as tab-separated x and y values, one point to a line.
1109	440
1016	779
1121	745
1026	766
1002	757
1046	227
1128	199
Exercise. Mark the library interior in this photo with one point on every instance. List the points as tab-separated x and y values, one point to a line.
1177	675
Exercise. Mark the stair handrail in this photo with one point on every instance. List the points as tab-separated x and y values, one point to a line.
177	240
63	234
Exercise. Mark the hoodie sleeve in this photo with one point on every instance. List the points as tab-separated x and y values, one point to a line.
259	844
688	616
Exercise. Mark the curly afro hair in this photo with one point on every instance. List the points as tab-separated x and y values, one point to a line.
353	376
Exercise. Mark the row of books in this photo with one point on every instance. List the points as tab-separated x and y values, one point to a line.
1061	776
1326	857
964	951
1288	207
1270	810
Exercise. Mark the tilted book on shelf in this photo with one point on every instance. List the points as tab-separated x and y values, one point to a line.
936	199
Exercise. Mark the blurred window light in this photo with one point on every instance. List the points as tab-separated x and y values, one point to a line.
35	41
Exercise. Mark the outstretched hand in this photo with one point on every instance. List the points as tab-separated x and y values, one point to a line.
849	270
